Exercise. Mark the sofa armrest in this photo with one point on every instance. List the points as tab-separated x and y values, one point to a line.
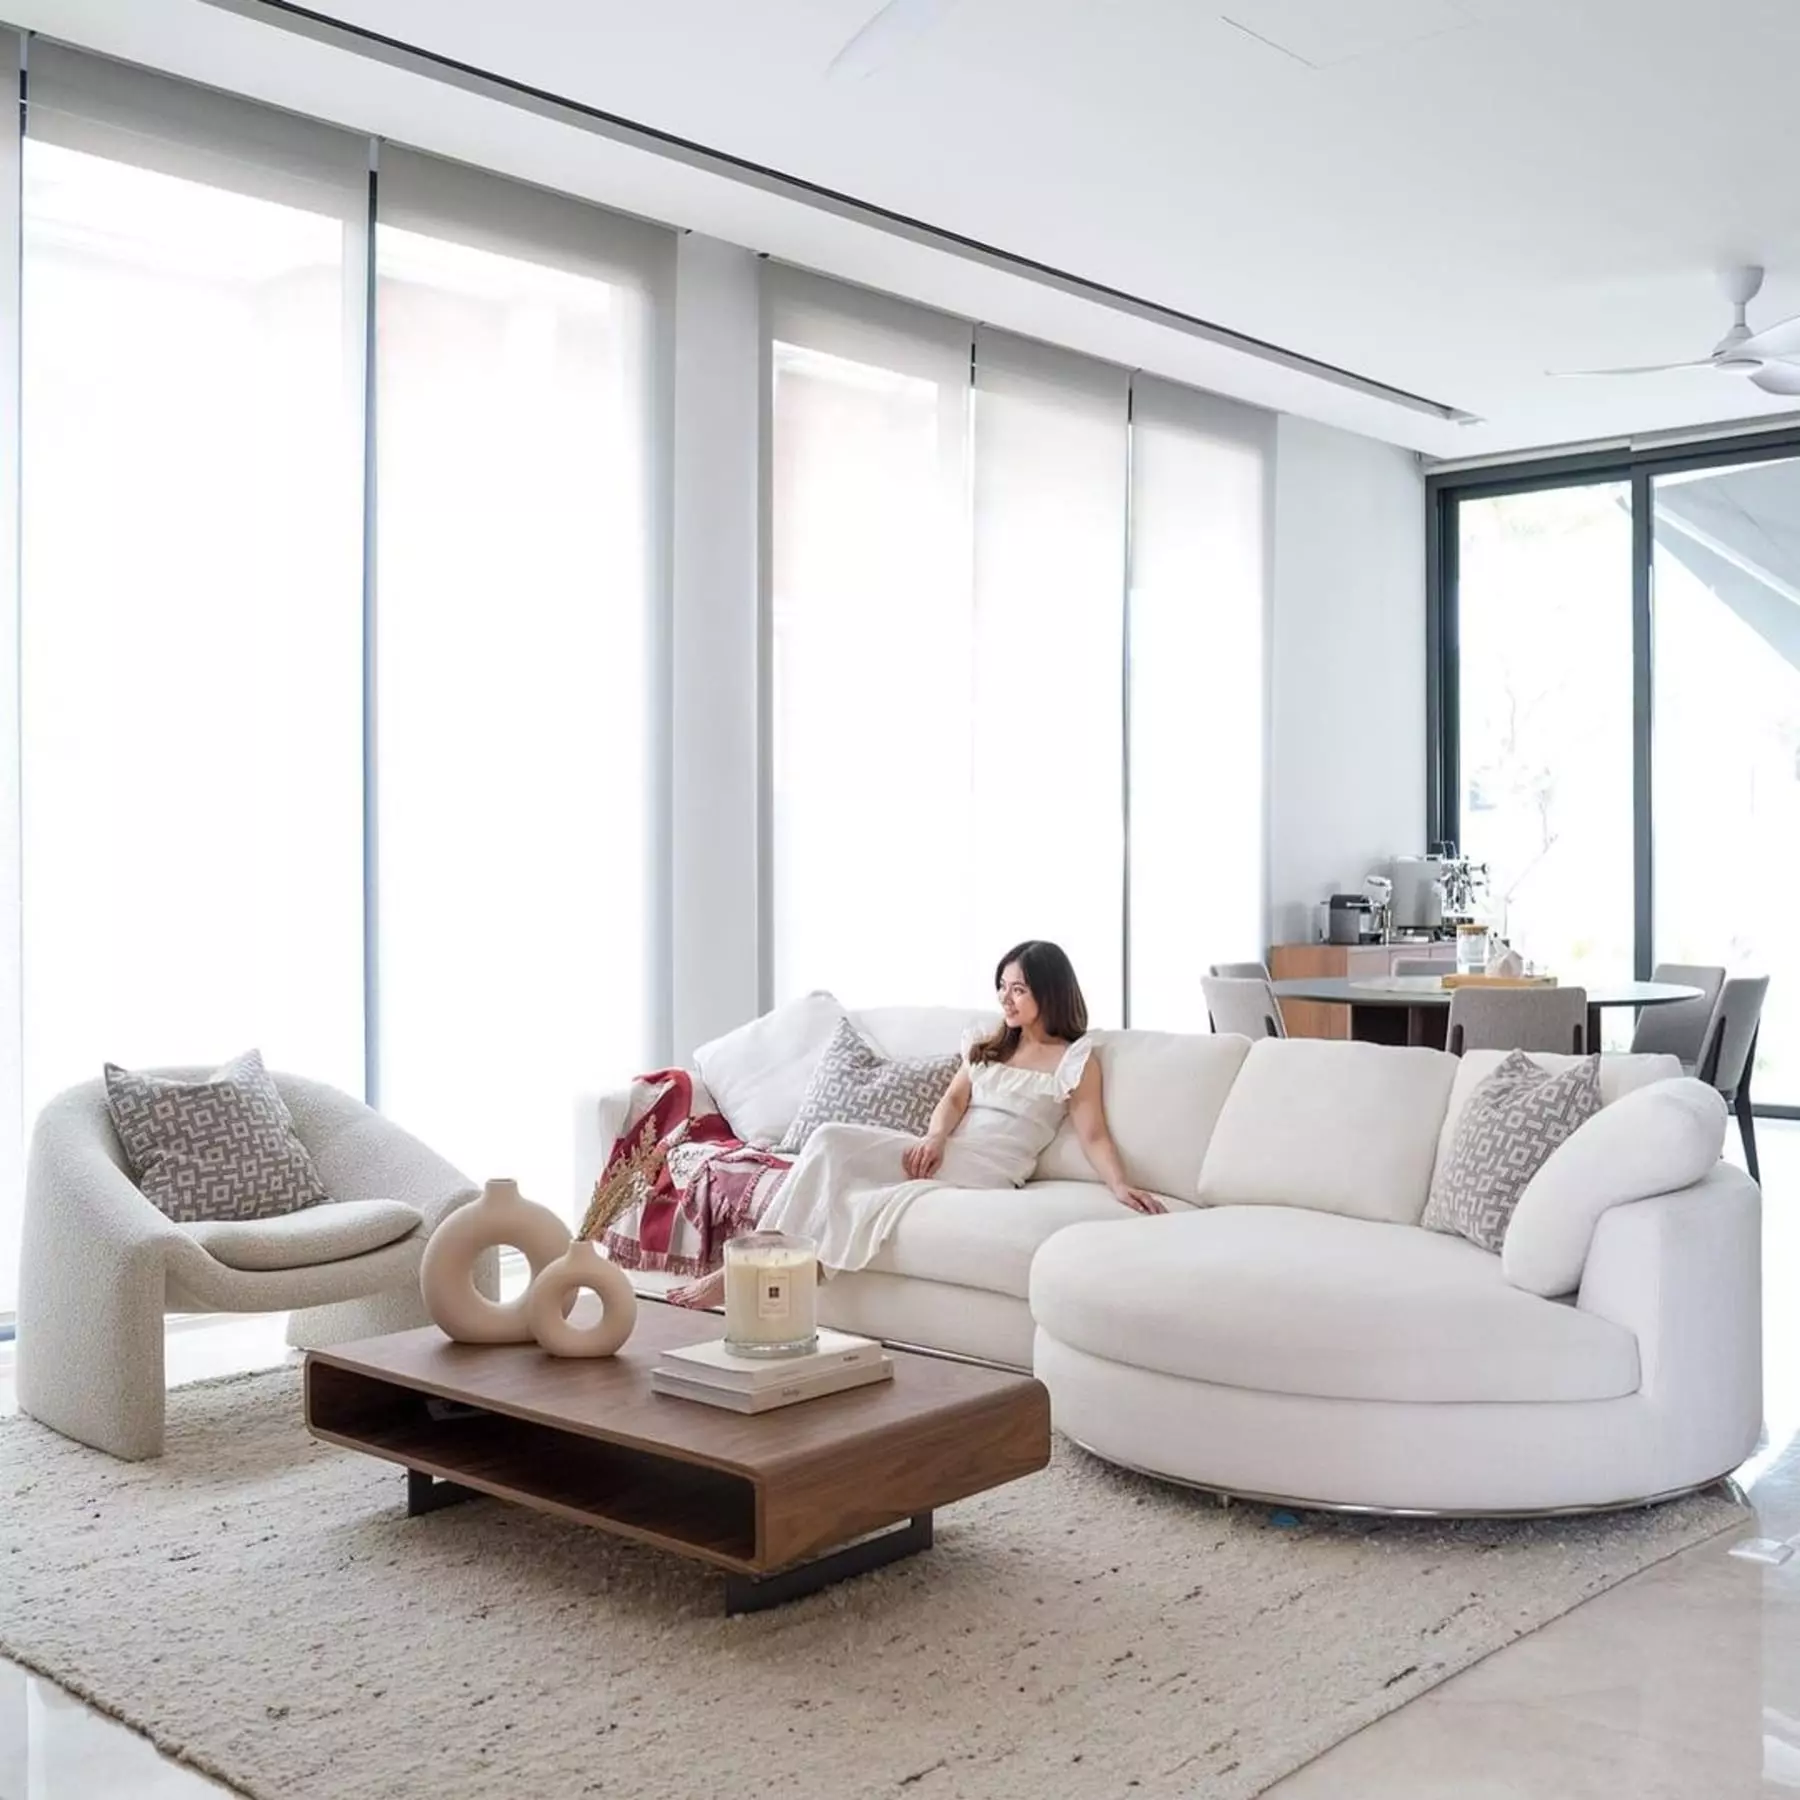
599	1118
1683	1273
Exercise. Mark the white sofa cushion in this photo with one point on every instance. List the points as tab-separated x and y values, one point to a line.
757	1074
986	1237
1653	1140
1339	1127
1619	1075
905	1031
329	1232
1287	1301
1163	1092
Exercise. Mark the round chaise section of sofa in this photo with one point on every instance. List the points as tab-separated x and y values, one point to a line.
1280	1353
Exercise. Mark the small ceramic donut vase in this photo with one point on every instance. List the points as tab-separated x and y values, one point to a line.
552	1295
447	1270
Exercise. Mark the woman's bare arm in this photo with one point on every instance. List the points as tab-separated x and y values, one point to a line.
1087	1107
924	1158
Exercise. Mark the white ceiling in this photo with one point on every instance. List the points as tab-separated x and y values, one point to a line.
1445	196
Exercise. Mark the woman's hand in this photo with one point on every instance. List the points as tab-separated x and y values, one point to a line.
1138	1200
923	1159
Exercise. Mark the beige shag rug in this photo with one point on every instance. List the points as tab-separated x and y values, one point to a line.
260	1605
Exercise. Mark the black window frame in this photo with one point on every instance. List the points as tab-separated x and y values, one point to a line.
1636	465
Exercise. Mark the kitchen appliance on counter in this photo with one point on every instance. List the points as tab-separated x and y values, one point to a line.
1418	905
1350	919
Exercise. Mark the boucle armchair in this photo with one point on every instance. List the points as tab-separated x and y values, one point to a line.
101	1266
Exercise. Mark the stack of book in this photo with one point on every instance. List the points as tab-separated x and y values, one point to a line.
752	1384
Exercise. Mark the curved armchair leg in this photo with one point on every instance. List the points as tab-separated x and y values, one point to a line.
398	1309
90	1352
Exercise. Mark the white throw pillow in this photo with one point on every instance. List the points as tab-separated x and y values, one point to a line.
1338	1127
1163	1092
1654	1140
1621	1073
758	1073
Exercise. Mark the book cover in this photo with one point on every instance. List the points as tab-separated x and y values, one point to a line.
815	1386
712	1362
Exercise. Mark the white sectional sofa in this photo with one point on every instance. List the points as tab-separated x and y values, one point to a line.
1287	1330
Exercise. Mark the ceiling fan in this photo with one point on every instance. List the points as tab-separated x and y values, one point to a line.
1770	358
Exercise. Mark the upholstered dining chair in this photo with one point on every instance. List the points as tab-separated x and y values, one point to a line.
1518	1019
1679	1029
1241	971
1244	1005
1729	1058
101	1266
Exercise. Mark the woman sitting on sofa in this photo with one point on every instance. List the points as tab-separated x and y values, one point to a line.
996	1118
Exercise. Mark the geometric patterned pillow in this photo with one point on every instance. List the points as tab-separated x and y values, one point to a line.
1512	1122
854	1084
222	1148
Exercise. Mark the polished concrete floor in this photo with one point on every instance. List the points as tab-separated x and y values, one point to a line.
1683	1684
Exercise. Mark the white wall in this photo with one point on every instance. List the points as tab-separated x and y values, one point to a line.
713	653
1347	667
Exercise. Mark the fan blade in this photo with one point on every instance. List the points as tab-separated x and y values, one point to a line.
1776	340
883	34
1777	378
1706	362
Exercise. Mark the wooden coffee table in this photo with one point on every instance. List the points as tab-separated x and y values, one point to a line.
785	1502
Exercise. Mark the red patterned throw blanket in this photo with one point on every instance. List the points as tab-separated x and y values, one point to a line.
693	1183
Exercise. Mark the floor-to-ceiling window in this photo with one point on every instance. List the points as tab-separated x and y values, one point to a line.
320	757
1546	720
1620	674
965	529
869	717
191	593
1199	585
513	702
1726	706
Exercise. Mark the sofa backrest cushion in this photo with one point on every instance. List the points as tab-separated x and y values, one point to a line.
758	1073
908	1031
1619	1075
1338	1127
1163	1092
1653	1140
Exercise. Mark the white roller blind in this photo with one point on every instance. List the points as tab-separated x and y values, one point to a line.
521	425
1049	541
1201	470
150	122
191	554
871	678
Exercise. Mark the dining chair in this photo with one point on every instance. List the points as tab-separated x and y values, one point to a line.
1552	1019
1679	1029
1730	1055
1243	1005
1422	965
1241	971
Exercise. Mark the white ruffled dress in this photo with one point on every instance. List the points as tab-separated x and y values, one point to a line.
849	1188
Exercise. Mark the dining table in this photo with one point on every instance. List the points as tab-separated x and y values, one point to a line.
1415	1009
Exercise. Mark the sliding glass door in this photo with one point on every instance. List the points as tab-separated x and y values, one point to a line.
1546	721
1618	688
1727	713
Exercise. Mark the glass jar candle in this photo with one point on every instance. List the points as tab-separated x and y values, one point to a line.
771	1294
1471	949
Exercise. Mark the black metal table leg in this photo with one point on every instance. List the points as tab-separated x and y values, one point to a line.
426	1494
757	1593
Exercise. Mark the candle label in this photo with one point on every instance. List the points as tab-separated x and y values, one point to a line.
774	1293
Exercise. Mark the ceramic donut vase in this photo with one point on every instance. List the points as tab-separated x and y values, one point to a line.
561	1266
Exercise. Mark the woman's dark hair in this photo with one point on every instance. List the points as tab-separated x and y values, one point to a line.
1051	977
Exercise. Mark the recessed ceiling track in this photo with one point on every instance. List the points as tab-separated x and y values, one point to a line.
377	46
